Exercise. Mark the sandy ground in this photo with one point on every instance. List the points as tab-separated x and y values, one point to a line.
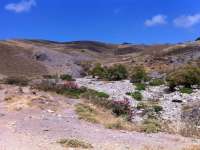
39	129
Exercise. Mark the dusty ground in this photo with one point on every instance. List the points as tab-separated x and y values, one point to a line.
32	126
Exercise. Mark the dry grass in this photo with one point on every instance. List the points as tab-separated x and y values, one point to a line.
75	143
94	114
19	102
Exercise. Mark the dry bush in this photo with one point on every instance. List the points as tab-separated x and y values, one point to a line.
97	114
75	143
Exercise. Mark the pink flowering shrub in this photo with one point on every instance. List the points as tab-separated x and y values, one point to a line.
122	108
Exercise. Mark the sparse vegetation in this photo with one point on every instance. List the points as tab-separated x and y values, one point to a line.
114	73
122	108
75	143
157	108
140	86
186	90
96	114
156	82
17	80
138	74
187	76
117	72
97	98
66	77
142	105
151	126
69	89
99	71
119	108
137	95
86	113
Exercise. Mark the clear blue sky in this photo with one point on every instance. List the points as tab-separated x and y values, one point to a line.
115	21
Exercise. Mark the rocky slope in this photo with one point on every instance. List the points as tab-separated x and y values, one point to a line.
39	57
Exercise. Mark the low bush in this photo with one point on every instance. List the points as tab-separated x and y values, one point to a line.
156	82
119	108
141	105
69	89
122	108
137	96
140	86
99	71
66	77
187	76
20	81
97	98
74	143
186	90
138	74
86	113
114	73
151	126
157	108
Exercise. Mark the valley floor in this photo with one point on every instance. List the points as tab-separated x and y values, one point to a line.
39	125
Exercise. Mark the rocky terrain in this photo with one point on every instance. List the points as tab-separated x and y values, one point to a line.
30	118
48	109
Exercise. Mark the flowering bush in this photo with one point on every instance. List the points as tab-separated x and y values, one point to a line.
70	85
122	108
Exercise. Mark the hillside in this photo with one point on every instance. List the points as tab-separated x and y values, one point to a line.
39	57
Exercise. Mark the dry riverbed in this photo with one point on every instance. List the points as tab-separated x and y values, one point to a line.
35	120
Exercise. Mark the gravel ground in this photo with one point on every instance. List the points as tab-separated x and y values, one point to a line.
39	129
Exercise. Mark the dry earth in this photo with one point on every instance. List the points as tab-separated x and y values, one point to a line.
40	119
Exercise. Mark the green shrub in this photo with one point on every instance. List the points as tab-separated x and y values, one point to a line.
116	73
97	98
71	93
66	77
69	89
187	76
99	71
140	86
157	108
156	82
139	75
20	81
102	95
186	90
137	96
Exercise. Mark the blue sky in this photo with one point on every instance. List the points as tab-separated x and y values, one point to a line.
115	21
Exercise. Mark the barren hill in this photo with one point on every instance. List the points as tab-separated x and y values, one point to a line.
39	57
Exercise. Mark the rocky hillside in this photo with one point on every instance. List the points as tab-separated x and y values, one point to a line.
41	57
